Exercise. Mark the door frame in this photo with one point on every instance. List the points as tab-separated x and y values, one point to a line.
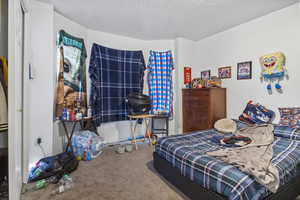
15	129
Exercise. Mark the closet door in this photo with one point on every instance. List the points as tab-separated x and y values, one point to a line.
15	97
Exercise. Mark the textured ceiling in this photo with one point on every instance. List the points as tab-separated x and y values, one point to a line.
165	19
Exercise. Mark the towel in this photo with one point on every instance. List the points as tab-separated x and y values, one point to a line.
160	82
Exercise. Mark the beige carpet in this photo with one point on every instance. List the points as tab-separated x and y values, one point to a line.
112	176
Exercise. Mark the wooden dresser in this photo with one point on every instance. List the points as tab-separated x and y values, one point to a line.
201	108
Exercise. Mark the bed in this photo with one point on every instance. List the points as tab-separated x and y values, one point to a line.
182	161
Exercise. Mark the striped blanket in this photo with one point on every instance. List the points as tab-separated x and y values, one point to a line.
188	154
114	74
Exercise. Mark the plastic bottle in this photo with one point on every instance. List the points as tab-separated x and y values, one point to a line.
71	115
89	112
68	114
34	186
65	184
64	114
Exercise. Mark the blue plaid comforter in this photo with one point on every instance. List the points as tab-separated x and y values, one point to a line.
188	154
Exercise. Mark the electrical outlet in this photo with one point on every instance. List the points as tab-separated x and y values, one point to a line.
39	141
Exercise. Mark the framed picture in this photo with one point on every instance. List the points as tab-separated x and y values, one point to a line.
205	75
224	72
244	70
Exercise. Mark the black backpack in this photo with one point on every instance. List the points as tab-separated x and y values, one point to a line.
54	167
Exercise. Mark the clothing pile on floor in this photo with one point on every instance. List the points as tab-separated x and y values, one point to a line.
52	170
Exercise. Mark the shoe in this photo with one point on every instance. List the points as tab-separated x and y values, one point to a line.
128	148
121	149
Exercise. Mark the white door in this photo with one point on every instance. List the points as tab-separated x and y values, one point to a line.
15	96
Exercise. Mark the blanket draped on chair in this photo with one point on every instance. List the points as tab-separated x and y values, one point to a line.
114	74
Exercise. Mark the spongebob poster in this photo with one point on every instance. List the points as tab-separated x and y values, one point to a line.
273	69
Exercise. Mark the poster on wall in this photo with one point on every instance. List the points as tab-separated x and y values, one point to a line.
224	72
205	75
187	76
71	98
244	70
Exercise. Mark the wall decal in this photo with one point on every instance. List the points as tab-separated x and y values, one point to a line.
273	69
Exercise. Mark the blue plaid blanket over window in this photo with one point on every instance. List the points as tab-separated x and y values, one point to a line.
160	81
114	74
188	154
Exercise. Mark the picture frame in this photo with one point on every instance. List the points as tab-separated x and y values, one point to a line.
205	75
224	72
244	70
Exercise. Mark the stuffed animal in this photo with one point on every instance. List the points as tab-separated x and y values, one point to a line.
273	69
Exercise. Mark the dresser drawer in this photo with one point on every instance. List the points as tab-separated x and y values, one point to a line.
201	92
195	92
199	107
202	107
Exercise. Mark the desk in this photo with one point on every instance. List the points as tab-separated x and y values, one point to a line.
75	122
146	118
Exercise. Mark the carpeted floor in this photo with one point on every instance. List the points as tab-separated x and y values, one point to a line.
128	176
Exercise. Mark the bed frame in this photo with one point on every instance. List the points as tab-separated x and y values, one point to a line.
195	191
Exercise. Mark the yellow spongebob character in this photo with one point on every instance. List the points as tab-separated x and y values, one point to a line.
273	68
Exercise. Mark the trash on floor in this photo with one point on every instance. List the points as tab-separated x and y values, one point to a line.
65	184
30	187
87	145
53	166
120	149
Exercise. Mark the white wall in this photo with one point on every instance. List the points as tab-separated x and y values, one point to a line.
186	57
278	31
60	22
38	93
114	131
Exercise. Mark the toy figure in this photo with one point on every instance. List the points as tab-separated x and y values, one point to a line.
273	69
